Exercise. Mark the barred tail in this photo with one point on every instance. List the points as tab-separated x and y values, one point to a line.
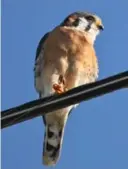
52	144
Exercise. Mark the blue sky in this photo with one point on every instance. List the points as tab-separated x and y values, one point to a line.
96	135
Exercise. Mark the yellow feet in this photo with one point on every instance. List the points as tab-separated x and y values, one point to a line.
60	87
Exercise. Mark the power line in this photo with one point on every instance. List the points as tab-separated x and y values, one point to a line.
42	106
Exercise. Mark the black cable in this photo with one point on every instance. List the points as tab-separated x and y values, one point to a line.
85	92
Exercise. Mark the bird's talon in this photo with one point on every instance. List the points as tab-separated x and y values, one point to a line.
58	88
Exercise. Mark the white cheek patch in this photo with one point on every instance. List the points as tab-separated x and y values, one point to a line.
83	24
93	31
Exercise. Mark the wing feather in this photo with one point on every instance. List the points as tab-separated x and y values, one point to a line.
38	62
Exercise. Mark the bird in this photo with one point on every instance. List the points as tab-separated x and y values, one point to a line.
65	59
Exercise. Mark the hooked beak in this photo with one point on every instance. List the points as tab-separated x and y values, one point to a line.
100	27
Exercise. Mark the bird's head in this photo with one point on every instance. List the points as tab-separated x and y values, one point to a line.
85	22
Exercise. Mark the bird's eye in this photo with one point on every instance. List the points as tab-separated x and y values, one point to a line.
90	18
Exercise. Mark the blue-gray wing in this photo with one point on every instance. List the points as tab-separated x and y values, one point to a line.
40	45
39	63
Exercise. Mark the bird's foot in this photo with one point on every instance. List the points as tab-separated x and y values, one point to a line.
59	88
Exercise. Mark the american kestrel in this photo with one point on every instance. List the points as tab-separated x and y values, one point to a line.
65	59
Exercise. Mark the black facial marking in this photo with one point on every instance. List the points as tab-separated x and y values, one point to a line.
66	22
88	27
50	147
76	22
90	18
73	19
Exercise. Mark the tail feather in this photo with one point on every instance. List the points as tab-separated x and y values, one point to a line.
52	143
